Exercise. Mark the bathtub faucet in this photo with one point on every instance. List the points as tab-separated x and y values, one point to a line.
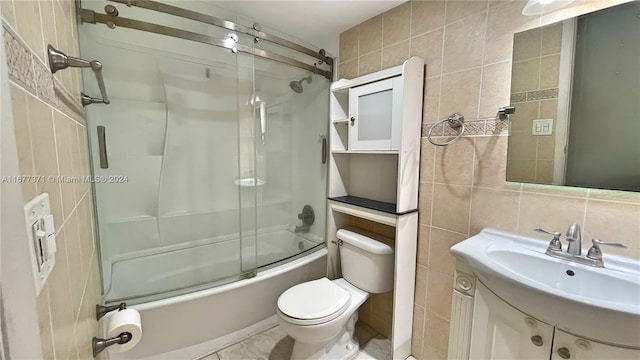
308	217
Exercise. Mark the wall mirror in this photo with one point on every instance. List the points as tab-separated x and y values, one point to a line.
576	89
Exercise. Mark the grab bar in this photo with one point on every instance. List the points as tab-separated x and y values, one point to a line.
102	147
59	61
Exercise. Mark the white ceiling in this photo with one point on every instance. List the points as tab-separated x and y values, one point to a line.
317	22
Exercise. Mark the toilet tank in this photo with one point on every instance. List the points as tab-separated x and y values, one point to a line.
366	259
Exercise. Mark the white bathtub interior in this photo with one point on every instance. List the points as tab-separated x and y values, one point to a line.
146	272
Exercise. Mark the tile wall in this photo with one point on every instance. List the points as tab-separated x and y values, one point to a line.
468	46
51	138
534	93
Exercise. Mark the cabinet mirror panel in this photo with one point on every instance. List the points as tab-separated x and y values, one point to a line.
576	89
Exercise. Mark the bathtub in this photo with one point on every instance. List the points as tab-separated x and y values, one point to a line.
192	325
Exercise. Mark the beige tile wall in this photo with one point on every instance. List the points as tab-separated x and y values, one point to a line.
536	66
51	138
467	46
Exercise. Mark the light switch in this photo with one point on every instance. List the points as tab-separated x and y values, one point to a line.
41	235
542	127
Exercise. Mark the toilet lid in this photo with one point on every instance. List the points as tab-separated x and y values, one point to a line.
314	300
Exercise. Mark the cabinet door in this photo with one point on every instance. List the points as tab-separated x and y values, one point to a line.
500	331
375	116
567	346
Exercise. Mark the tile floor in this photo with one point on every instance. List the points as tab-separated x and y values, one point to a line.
274	344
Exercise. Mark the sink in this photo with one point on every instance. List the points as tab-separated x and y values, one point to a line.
597	303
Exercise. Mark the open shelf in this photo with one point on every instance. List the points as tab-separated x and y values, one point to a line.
386	207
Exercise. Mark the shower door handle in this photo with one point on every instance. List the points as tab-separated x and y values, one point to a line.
102	147
324	150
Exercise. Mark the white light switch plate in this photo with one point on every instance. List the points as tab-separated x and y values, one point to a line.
542	127
40	234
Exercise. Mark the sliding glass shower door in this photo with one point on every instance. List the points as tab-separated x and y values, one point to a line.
291	126
172	215
210	161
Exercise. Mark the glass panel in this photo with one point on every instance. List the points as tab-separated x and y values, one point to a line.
291	121
247	180
178	128
374	116
221	154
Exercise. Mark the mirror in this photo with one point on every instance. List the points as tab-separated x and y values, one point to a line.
576	89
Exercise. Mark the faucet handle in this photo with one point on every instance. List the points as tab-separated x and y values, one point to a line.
595	252
555	243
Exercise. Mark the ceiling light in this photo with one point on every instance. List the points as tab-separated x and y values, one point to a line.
537	7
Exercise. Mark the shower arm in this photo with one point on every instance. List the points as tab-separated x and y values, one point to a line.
59	61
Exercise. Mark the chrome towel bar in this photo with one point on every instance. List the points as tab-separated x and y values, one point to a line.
59	61
456	121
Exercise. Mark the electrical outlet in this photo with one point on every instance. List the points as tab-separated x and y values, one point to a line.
42	240
542	127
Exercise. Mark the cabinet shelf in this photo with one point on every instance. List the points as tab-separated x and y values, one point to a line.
340	122
386	207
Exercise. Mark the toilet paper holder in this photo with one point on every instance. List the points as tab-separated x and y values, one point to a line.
102	310
98	345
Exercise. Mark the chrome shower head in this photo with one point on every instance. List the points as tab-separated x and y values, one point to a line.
296	86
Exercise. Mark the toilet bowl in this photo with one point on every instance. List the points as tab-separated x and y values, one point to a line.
320	315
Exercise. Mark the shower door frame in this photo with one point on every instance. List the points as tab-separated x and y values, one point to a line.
112	20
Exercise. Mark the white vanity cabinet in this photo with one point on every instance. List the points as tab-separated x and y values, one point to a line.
376	115
374	160
483	327
568	346
500	331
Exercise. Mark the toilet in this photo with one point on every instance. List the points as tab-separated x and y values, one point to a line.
320	315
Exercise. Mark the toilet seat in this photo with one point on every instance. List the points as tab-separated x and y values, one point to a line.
313	302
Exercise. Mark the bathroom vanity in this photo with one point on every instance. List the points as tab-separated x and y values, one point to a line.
374	155
513	301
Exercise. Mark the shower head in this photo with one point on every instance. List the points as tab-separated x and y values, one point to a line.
296	86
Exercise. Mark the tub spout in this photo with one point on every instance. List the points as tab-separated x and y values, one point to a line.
302	229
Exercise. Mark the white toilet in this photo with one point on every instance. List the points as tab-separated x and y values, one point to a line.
320	315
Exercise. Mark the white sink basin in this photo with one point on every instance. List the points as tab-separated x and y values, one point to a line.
600	303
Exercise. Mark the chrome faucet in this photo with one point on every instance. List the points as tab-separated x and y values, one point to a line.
574	237
574	249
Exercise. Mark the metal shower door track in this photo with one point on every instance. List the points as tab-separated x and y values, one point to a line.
93	17
212	20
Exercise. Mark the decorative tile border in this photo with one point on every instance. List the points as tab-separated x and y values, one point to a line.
26	69
436	132
518	97
497	127
19	62
472	128
534	95
542	94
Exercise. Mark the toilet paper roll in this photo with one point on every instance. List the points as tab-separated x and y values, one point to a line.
127	320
